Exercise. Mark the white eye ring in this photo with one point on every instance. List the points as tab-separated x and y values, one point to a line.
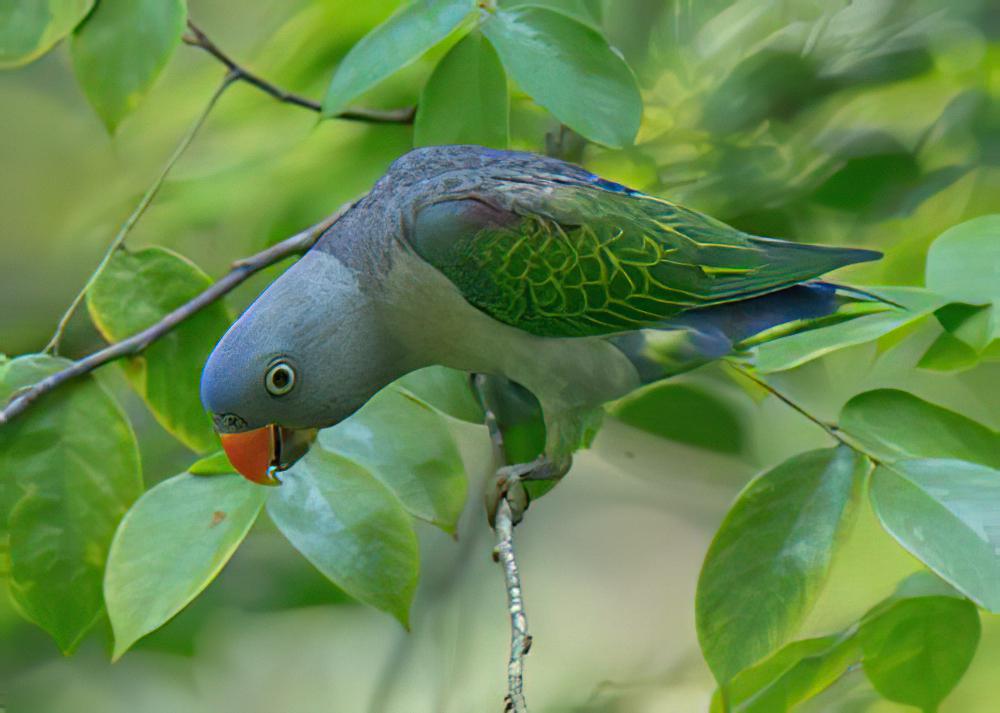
280	379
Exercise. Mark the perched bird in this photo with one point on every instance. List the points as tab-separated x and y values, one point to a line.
511	264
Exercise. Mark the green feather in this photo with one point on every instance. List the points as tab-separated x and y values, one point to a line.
578	261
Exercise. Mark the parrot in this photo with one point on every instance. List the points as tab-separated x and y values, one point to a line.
511	264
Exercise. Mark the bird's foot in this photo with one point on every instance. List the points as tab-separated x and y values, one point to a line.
509	485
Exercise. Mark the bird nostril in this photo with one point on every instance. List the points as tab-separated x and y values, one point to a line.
228	422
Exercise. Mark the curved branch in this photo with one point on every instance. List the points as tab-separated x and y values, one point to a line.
239	272
198	38
137	212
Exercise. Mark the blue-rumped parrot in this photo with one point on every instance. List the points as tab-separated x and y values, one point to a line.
511	264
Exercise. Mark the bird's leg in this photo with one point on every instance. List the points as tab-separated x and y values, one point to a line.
509	484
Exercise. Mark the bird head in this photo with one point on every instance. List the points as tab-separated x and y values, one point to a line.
304	356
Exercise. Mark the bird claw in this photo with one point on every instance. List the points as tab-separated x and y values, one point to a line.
509	485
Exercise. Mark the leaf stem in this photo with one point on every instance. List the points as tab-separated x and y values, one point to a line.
197	38
832	430
240	271
53	346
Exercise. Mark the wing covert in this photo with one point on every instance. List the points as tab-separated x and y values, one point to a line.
582	261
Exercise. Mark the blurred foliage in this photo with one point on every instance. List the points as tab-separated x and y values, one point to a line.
871	123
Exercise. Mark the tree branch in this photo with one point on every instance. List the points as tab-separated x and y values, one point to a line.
520	639
137	212
239	272
197	38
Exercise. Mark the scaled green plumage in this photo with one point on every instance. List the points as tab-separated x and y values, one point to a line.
582	260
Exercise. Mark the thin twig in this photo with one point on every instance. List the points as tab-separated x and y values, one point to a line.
197	38
520	640
137	212
831	430
240	271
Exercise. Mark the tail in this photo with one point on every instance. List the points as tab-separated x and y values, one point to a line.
702	335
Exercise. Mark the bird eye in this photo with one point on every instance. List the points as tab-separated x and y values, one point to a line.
279	379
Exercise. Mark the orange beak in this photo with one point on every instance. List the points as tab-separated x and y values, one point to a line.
253	453
258	455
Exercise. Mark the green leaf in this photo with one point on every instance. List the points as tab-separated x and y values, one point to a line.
446	390
171	545
895	425
769	559
395	43
944	512
568	68
120	50
948	353
962	264
465	101
969	323
685	413
917	650
797	349
968	331
792	675
407	446
351	527
70	468
214	464
135	291
30	28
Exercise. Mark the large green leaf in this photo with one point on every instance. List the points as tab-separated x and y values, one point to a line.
71	469
135	291
917	650
121	49
406	445
685	413
351	527
895	425
465	101
29	28
964	264
789	352
769	559
568	68
395	43
802	669
945	513
446	390
795	673
171	545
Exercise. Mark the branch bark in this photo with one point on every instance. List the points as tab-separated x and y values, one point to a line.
520	639
239	272
197	38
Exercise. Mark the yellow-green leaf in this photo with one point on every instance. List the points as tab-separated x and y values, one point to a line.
135	291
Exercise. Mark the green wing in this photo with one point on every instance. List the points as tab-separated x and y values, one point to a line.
579	261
